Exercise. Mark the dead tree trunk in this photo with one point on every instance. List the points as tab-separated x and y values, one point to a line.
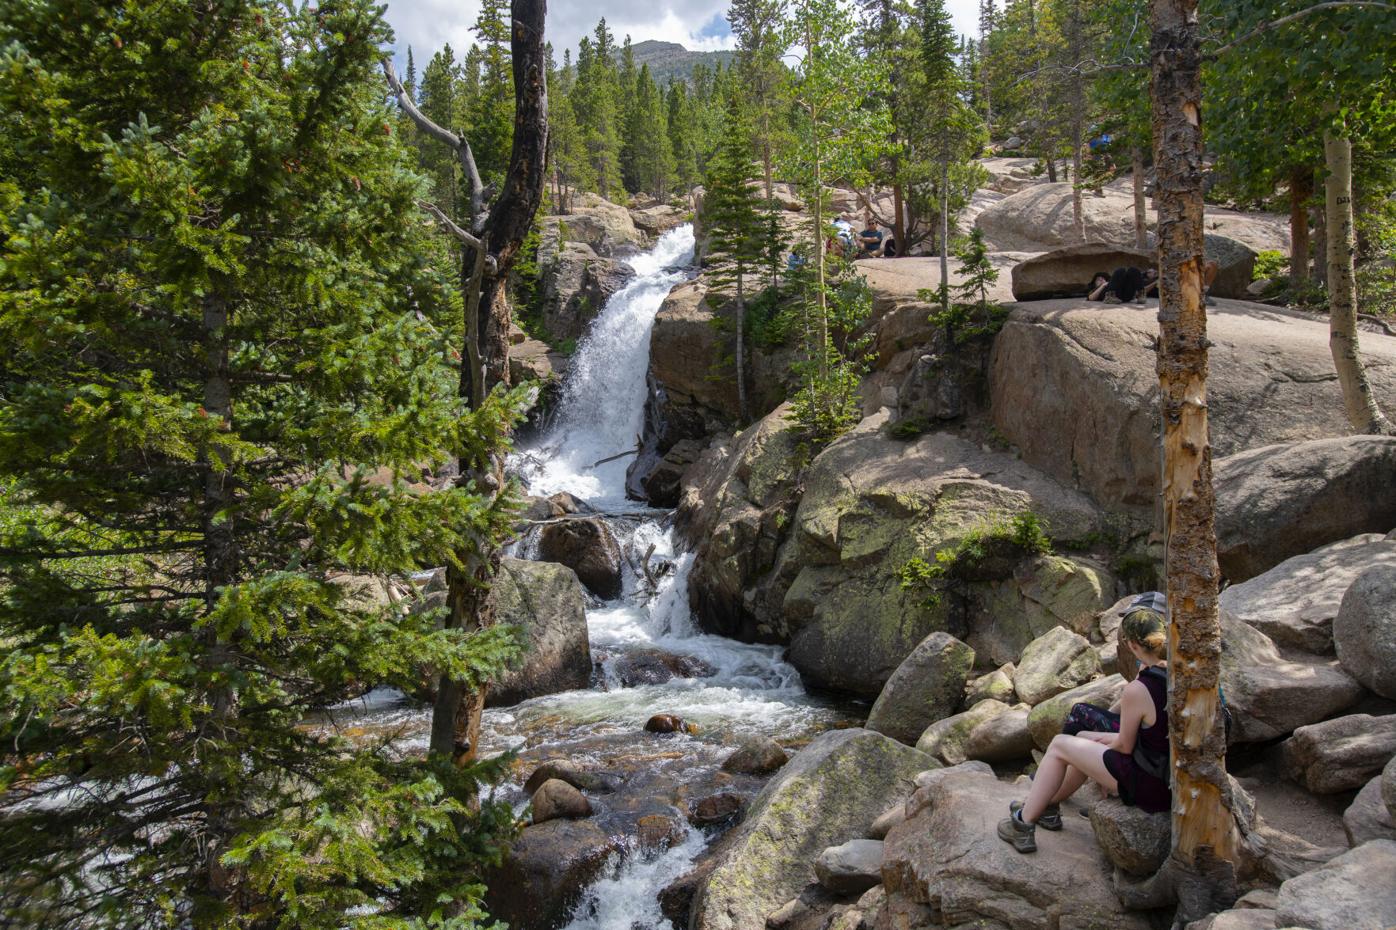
1204	837
1141	207
491	240
1363	412
1301	189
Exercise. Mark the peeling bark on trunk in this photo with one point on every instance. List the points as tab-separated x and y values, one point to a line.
1363	413
1301	189
1204	836
1141	207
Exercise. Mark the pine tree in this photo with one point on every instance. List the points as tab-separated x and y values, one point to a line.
491	119
652	159
683	140
219	322
440	100
756	25
567	154
595	101
734	225
626	78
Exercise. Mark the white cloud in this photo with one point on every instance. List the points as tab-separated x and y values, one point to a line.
426	25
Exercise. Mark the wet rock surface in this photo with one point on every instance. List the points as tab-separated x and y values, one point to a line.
656	666
588	547
927	685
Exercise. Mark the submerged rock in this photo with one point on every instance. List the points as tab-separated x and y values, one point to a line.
573	774
829	793
655	666
545	872
556	799
756	757
667	723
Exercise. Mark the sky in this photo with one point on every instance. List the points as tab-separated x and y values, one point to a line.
427	25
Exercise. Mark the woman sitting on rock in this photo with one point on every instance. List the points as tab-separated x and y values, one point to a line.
1132	762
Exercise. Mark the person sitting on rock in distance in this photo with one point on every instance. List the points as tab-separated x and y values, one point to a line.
1132	762
1126	284
870	239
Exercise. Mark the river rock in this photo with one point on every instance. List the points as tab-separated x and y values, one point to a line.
1067	271
886	821
573	774
760	756
1002	738
655	666
658	832
997	685
544	873
587	546
663	484
715	809
1367	817
1270	696
1135	841
850	868
556	799
666	723
927	686
547	603
1283	500
1073	387
1342	754
1364	631
945	739
949	858
829	793
1046	719
1056	661
1352	892
1295	602
655	219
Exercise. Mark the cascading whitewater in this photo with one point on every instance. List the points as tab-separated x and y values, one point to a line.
601	413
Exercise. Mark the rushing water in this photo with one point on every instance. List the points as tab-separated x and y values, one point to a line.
752	691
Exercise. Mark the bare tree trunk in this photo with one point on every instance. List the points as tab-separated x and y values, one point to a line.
1318	247
741	348
1051	170
945	235
1141	209
1363	413
898	220
1078	119
1301	189
1204	835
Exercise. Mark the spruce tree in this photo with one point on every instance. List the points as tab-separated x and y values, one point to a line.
220	324
757	27
683	139
491	119
595	101
734	225
652	158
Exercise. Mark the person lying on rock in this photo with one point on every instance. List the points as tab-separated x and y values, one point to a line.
1125	284
1132	763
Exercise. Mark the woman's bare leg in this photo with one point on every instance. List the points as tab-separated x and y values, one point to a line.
1071	783
1065	753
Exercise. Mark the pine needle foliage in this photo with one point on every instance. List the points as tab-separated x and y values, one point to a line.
227	365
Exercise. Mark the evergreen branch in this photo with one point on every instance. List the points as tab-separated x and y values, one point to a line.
1286	20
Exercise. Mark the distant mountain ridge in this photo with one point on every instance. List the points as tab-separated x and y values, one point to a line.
671	60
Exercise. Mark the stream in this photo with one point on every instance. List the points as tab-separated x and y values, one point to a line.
751	690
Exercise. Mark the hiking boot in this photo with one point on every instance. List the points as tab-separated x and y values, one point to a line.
1051	818
1112	299
1021	836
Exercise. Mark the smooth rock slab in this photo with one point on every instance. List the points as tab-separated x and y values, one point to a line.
1355	891
949	857
1135	841
1295	602
926	687
829	793
850	868
1056	661
1364	630
1342	754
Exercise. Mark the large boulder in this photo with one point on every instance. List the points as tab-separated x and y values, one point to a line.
1388	787
545	871
1046	719
1235	265
997	684
1352	892
1056	661
1364	630
756	757
588	547
947	740
1342	754
607	227
655	219
946	866
1002	738
1135	841
850	868
1067	272
1283	500
1074	388
927	686
1367	817
871	505
1271	696
1039	218
548	605
651	666
1295	602
574	284
557	799
829	793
